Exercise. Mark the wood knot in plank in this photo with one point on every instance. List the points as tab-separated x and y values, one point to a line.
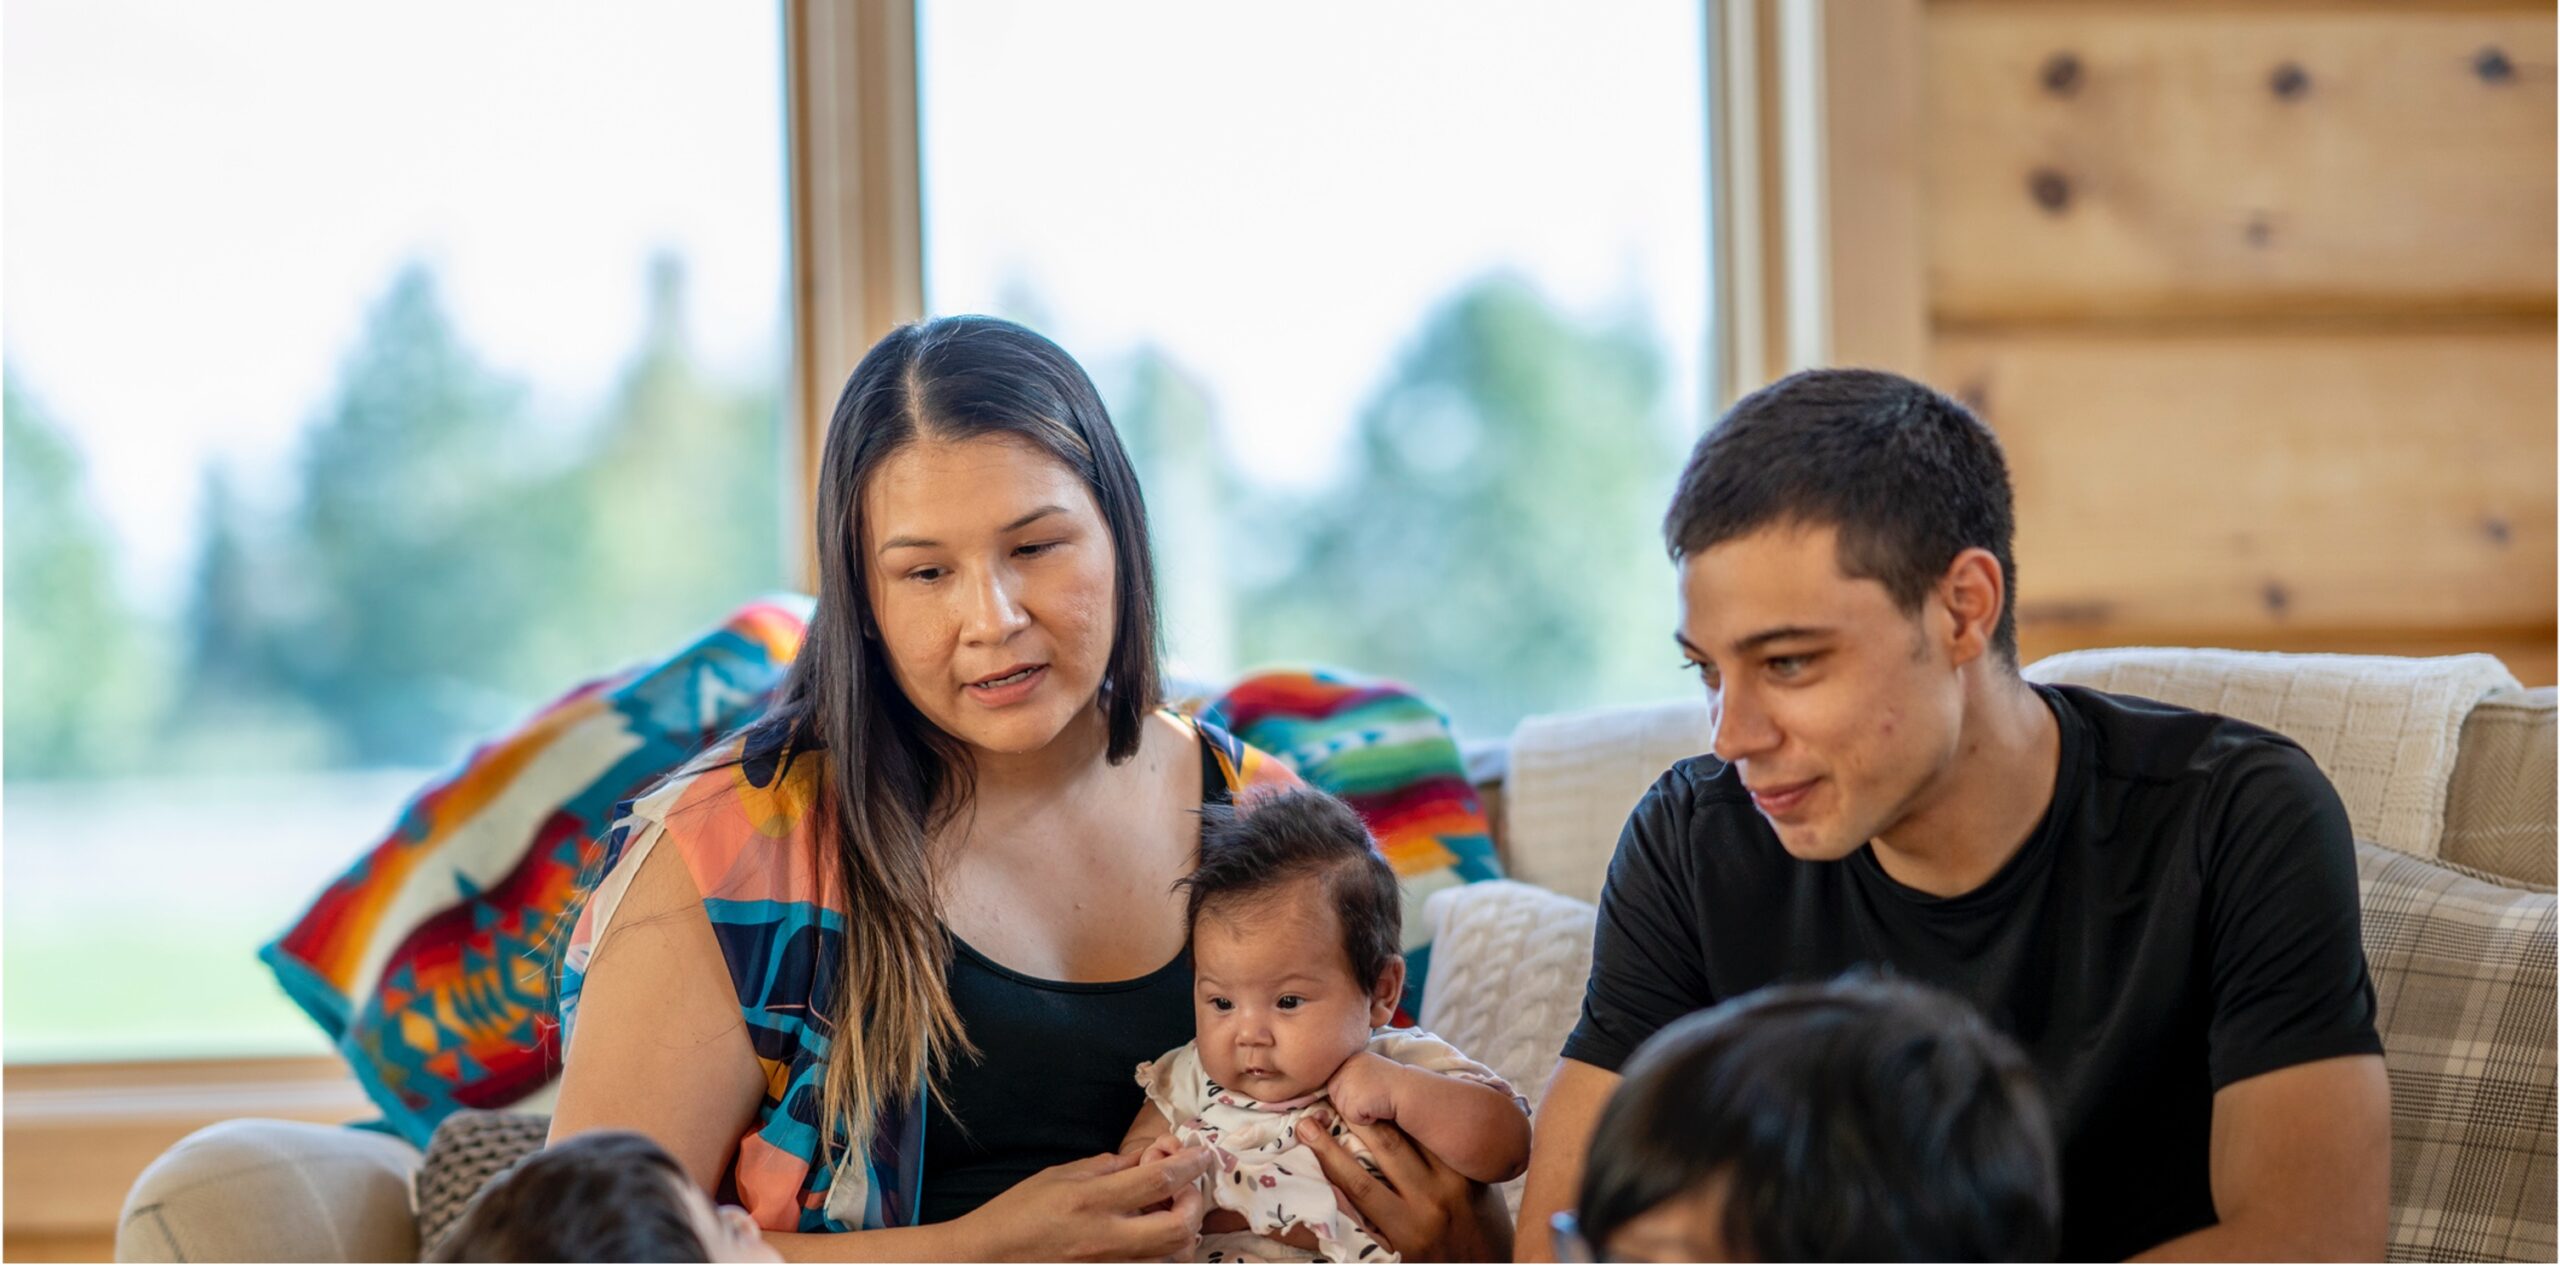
2492	66
2289	81
2061	74
2497	531
2260	230
2276	598
2050	190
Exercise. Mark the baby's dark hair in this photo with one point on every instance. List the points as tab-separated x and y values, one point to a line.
1275	840
1862	1119
609	1196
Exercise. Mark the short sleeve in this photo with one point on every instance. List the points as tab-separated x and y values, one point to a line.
742	827
1646	951
1175	1083
2285	939
1427	1051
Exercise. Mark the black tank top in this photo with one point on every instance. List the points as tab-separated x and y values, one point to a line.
1055	1080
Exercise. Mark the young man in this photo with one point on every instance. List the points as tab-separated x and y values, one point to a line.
2159	905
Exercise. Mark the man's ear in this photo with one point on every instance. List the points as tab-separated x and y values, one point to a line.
1389	991
1973	592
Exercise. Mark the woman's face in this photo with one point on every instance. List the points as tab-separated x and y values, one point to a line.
992	576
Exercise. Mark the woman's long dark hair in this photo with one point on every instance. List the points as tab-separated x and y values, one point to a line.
892	776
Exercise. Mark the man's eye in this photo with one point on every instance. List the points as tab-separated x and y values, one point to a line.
1034	551
1706	672
1290	1001
925	574
1783	667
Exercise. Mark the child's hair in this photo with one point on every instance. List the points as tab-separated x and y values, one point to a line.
610	1196
1302	833
1863	1119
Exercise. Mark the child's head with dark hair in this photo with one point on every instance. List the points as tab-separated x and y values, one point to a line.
609	1196
1862	1119
1297	932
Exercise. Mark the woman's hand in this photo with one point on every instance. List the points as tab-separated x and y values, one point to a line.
1420	1207
1094	1210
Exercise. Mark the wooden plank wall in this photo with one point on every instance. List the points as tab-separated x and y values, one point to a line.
2260	300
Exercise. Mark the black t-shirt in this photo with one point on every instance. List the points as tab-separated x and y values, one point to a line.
2184	917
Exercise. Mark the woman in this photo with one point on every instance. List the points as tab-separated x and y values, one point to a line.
962	822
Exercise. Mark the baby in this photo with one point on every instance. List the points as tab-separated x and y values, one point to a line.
609	1196
1296	931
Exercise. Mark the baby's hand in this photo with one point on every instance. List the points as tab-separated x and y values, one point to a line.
1156	1149
1363	1090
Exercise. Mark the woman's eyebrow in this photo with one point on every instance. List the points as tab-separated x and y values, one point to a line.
1031	518
918	542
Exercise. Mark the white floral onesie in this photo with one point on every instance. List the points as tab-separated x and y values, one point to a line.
1263	1172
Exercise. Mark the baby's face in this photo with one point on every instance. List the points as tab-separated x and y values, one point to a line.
1273	996
726	1232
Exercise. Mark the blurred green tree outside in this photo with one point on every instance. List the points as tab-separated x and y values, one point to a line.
443	566
81	679
1494	541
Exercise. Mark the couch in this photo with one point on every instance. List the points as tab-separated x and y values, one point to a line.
2447	767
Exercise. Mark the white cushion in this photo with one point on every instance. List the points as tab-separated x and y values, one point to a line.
1508	965
2384	729
1574	778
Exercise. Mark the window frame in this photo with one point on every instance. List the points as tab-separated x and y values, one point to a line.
857	214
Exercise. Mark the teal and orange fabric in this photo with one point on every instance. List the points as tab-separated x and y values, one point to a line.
743	823
429	962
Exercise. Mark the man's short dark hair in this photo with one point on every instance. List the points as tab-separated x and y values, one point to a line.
1908	477
1276	840
609	1196
1863	1119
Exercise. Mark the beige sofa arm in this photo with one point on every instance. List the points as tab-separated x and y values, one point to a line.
273	1191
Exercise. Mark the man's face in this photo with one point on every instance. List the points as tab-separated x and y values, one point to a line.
1838	709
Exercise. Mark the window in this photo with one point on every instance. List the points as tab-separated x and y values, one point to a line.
374	373
1401	310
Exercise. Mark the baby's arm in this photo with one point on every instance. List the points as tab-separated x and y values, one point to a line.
1478	1130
